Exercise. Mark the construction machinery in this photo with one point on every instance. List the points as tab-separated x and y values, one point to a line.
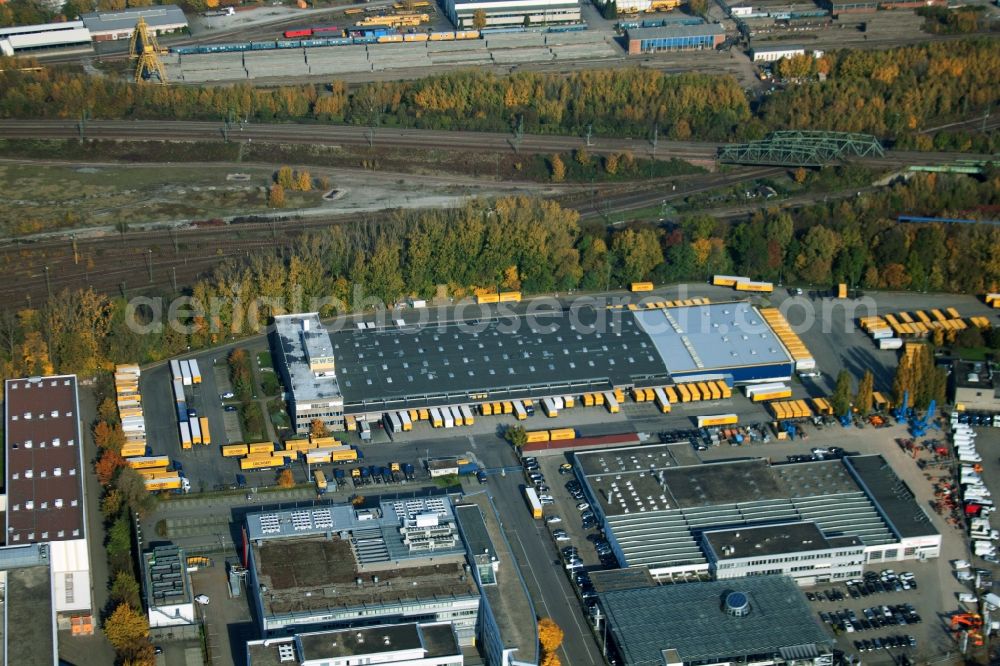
918	428
966	621
900	413
146	52
663	6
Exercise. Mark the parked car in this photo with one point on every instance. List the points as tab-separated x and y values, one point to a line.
553	519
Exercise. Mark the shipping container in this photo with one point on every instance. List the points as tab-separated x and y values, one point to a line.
317	456
519	411
693	391
638	395
562	434
467	415
772	395
486	409
717	420
487	298
185	373
510	296
149	462
641	286
531	497
685	395
195	431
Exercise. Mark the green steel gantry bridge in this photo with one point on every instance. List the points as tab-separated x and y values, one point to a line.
802	148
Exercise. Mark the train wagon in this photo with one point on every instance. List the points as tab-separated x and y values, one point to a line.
291	34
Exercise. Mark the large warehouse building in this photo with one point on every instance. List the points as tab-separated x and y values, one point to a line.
335	566
510	13
516	357
762	620
112	25
29	39
674	38
686	521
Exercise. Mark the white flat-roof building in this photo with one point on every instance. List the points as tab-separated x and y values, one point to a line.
774	53
304	357
26	38
508	13
108	26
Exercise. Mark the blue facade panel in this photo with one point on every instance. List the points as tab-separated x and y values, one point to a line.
745	374
677	43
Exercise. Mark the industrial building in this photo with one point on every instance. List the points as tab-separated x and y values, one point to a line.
28	39
774	53
762	620
333	566
660	513
411	644
119	24
974	386
305	360
167	587
29	618
513	13
373	370
797	549
44	488
674	38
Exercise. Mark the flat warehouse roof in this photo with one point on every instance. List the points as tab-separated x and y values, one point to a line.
689	619
672	31
747	541
444	363
44	488
711	337
125	19
902	511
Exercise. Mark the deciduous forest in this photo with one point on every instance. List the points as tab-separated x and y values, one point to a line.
539	247
893	94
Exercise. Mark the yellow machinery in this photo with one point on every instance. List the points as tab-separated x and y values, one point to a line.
397	21
663	6
144	49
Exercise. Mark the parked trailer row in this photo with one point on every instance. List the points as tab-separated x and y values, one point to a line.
791	409
174	482
499	297
148	462
557	435
520	409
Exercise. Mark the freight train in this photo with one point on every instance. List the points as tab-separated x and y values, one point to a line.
356	36
322	31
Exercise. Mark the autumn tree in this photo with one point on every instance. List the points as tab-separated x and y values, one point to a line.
800	175
111	503
125	590
126	629
840	401
637	253
557	169
303	181
107	411
276	196
511	279
107	466
698	7
133	489
317	428
582	157
611	164
865	395
479	19
516	435
550	637
285	177
286	479
109	436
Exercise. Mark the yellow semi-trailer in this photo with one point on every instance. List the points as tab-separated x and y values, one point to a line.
487	298
260	447
261	463
467	414
160	473
641	286
206	438
167	483
706	393
519	411
717	420
534	505
148	462
726	280
234	450
510	296
693	391
772	395
298	445
537	436
131	450
684	393
562	434
611	402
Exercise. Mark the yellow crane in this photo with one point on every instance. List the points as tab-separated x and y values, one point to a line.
146	52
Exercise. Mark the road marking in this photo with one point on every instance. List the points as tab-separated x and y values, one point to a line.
527	563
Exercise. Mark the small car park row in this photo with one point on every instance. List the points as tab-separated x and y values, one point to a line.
885	643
